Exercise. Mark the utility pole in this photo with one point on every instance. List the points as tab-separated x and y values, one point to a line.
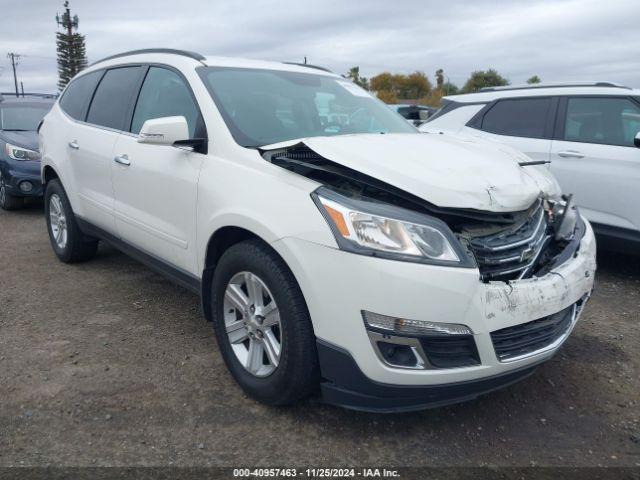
22	89
15	61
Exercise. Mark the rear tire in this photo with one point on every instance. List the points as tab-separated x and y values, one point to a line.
9	202
286	322
67	240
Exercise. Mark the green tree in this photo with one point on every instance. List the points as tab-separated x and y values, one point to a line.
533	80
449	88
354	75
481	78
399	86
72	55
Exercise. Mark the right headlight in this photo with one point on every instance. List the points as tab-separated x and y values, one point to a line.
387	231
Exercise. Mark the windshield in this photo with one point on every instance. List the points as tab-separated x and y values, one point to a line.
22	117
262	107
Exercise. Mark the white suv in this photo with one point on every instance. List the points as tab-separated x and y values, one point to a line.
589	132
335	247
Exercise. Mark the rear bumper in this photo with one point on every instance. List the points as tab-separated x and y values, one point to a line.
346	386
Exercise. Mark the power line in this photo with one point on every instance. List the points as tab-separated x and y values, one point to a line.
15	61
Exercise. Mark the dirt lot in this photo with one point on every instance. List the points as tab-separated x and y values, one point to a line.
106	363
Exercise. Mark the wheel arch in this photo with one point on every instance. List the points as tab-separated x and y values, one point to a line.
219	242
48	174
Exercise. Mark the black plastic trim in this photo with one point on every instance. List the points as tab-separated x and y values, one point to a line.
183	53
346	386
617	239
176	274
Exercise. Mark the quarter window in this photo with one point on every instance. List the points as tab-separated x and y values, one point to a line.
164	94
518	117
112	99
610	121
78	94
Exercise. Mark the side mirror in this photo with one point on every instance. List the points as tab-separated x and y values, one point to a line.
164	131
636	141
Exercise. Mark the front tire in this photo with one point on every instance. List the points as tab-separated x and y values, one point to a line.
9	202
263	326
67	240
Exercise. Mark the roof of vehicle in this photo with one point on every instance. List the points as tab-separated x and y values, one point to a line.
543	89
175	56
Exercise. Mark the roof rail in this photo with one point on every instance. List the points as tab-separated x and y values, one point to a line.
553	85
308	65
184	53
29	94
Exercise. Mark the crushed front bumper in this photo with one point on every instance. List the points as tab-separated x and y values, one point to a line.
339	285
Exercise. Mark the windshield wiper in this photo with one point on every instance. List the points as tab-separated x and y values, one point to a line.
16	130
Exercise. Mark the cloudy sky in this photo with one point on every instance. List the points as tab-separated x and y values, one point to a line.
555	39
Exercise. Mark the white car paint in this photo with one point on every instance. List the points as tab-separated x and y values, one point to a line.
604	179
169	202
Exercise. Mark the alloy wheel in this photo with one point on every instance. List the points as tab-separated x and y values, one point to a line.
58	221
252	323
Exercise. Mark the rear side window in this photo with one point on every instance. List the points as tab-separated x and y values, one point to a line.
610	121
112	100
78	94
518	118
164	94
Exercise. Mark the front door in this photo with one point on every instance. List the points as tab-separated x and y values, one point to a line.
595	158
156	186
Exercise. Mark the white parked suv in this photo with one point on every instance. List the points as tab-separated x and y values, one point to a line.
386	269
589	132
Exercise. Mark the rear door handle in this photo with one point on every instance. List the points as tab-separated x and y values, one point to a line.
74	144
570	154
122	160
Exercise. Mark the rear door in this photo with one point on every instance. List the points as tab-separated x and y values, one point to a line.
525	124
92	142
156	188
594	157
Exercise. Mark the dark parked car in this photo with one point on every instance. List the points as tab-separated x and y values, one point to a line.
416	115
19	157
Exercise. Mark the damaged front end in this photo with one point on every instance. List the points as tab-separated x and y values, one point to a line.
505	246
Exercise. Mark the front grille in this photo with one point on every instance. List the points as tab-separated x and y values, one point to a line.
450	351
511	253
529	337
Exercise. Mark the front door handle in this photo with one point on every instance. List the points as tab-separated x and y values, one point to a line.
74	144
570	154
122	160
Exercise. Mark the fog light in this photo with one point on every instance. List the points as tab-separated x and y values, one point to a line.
26	186
399	355
412	327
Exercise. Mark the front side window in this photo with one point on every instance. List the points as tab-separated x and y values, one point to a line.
164	94
76	97
19	118
610	121
113	97
518	117
262	107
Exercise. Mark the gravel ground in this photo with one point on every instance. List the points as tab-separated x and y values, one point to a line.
106	363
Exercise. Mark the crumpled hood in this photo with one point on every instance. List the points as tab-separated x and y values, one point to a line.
444	170
20	139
